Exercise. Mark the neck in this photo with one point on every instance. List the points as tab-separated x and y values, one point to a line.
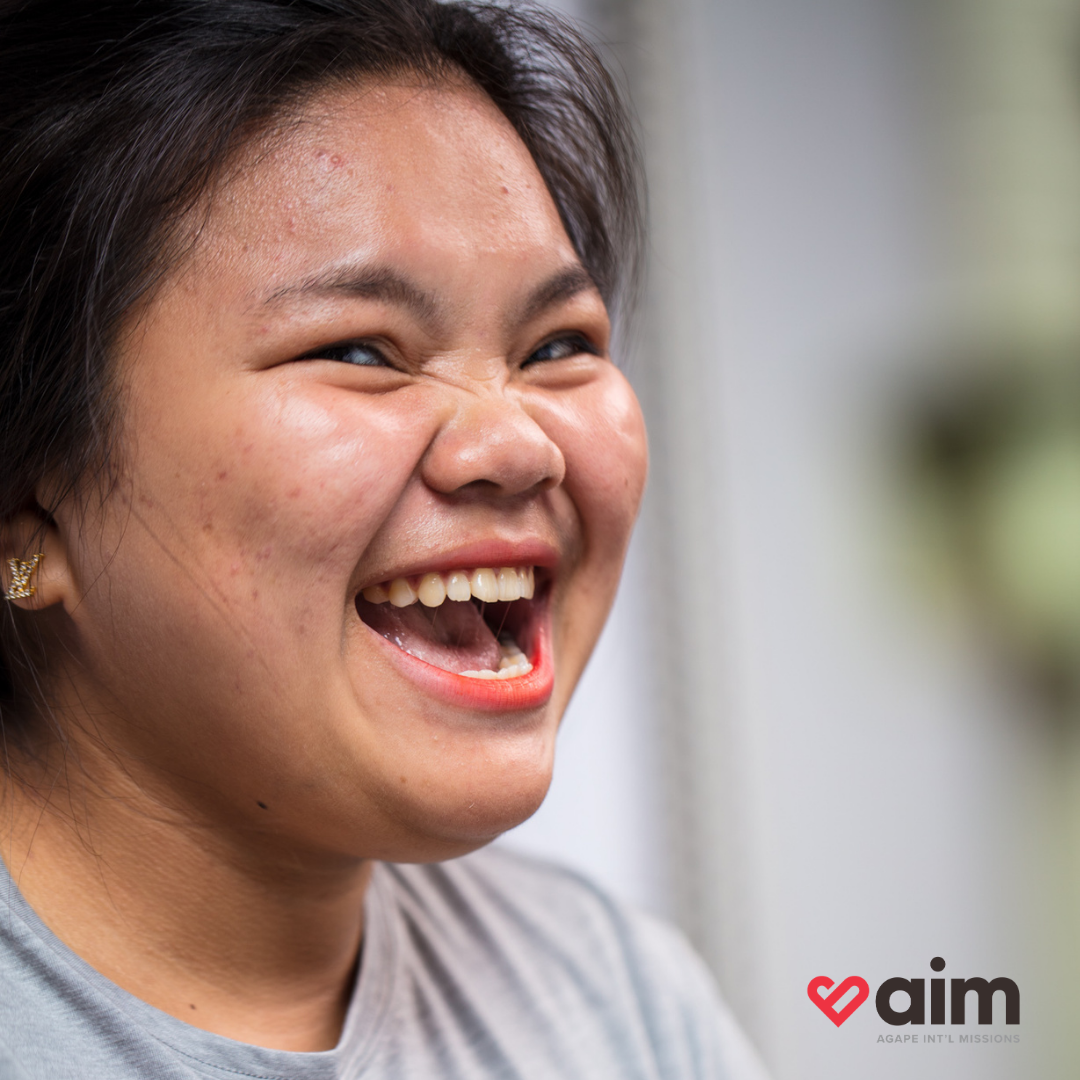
241	934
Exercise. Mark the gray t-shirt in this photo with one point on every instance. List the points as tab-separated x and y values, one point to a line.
490	966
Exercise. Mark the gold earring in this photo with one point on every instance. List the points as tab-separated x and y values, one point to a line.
21	573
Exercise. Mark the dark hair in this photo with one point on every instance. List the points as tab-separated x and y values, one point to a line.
117	115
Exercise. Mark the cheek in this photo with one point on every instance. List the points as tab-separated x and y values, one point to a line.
265	503
316	472
601	432
303	471
248	526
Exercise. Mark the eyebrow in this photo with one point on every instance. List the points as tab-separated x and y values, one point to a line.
382	283
363	282
564	285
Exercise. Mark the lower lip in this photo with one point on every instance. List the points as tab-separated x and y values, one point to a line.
484	695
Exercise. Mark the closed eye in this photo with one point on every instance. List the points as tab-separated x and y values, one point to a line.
562	348
360	353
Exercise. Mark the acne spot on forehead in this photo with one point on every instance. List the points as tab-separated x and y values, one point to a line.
326	160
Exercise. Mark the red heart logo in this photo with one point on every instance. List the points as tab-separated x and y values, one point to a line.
826	1003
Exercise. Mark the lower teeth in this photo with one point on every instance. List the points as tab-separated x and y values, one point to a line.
512	664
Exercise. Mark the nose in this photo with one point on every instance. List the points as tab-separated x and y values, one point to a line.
491	444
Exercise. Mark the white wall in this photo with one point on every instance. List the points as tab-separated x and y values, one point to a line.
895	789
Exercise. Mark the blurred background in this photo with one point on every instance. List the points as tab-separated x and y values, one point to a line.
833	727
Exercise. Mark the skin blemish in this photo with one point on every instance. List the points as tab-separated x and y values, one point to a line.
263	805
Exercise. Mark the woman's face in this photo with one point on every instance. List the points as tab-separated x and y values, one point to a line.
381	371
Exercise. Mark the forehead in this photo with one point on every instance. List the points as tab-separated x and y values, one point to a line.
412	173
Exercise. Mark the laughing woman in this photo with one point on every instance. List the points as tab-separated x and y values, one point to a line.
317	481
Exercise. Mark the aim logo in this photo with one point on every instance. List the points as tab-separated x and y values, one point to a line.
838	1002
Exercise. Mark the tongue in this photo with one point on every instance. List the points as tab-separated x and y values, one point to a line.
453	636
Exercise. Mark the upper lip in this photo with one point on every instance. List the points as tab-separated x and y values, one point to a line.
478	553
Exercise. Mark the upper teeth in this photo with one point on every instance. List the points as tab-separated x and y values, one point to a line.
485	583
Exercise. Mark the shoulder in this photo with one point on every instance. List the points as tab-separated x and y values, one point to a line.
583	948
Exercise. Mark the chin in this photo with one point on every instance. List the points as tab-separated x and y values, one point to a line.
452	819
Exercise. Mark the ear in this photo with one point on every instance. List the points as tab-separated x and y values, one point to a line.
31	538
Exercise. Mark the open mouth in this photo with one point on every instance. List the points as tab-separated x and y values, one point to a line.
480	623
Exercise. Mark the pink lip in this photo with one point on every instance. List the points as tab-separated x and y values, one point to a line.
484	695
493	553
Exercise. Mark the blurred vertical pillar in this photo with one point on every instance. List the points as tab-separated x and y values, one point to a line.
667	50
